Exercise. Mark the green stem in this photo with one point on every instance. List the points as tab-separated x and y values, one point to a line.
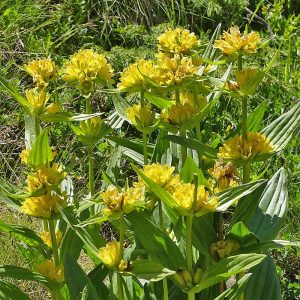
56	295
145	148
177	95
37	126
88	108
221	237
54	242
191	296
189	250
121	241
244	118
183	149
240	62
91	176
142	98
246	172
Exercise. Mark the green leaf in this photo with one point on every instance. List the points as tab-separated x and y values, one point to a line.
97	276
148	270
156	242
189	169
30	134
226	268
91	240
162	153
159	102
9	291
264	283
236	290
23	274
120	105
283	129
209	52
232	195
242	234
23	234
14	93
40	154
272	207
194	144
78	282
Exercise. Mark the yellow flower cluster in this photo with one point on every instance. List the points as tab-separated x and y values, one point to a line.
45	178
46	237
239	148
160	174
233	42
42	71
140	75
187	97
87	68
111	257
37	99
175	70
225	175
24	156
177	41
43	183
223	248
121	201
141	117
179	113
184	196
53	273
44	206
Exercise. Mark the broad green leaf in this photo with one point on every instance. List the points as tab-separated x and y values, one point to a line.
242	234
189	169
40	154
14	93
157	243
148	270
97	277
30	132
77	281
264	283
283	129
236	290
23	274
226	268
272	207
23	234
9	291
232	195
162	151
91	240
194	144
159	102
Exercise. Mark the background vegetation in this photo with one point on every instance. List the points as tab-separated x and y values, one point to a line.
128	29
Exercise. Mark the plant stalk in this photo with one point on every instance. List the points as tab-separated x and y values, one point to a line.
120	287
145	148
189	250
56	295
183	149
121	241
177	95
54	242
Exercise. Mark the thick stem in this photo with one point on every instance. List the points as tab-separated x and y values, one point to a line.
220	237
56	295
189	250
183	149
91	175
145	148
142	98
120	287
37	126
244	118
240	62
88	108
246	172
54	242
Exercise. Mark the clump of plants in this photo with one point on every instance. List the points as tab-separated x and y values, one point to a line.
175	237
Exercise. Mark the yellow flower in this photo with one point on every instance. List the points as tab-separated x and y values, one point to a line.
184	197
141	75
45	177
110	256
48	269
247	80
177	41
141	117
42	71
87	68
175	70
46	237
24	155
124	201
225	175
44	206
53	108
223	248
238	148
37	99
187	97
160	174
233	42
179	113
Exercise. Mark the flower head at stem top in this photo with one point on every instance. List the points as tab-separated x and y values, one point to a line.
85	69
233	43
